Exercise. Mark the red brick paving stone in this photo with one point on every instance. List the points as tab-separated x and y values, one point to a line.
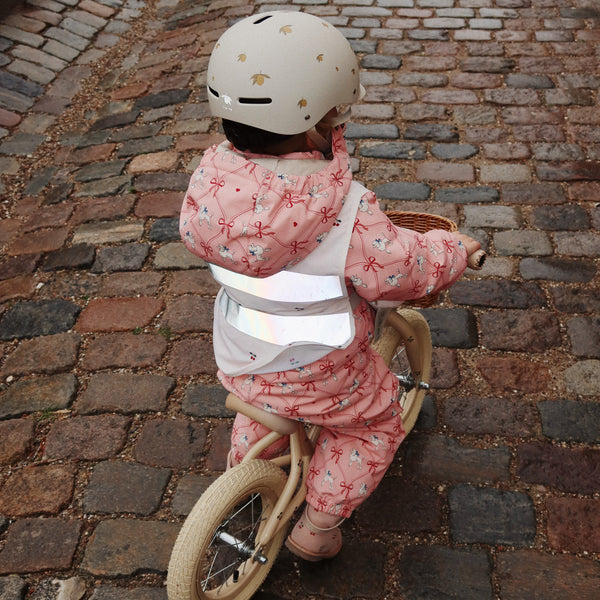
514	374
91	154
18	265
19	287
122	547
131	283
567	469
102	209
442	171
124	393
134	90
124	350
49	216
45	354
194	281
39	241
16	437
87	438
495	416
100	10
173	443
444	368
153	163
537	576
39	544
37	489
574	524
159	204
441	458
569	171
8	118
192	357
118	314
189	314
199	141
8	229
219	447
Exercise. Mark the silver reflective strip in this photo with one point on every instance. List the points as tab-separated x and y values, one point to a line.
331	329
285	286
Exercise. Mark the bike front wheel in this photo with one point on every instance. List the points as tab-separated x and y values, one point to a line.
405	345
214	556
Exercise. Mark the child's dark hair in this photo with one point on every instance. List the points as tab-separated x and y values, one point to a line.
251	139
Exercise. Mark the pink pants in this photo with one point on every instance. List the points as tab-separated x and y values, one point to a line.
362	429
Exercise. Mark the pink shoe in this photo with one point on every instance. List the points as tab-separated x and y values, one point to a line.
314	543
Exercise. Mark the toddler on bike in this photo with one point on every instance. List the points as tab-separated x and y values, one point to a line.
301	251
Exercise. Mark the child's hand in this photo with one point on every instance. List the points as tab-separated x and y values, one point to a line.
475	255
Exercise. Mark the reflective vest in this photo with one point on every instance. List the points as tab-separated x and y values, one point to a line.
294	317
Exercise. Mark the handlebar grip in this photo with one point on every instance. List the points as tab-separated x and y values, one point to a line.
476	260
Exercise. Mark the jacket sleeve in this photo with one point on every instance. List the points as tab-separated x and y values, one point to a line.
386	262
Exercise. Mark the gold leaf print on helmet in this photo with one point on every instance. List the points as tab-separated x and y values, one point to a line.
302	103
320	57
259	78
286	29
241	57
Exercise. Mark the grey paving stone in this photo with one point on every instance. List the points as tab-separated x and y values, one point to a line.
498	294
202	400
584	333
44	317
116	120
570	420
20	85
107	186
491	516
431	131
575	300
577	243
454	151
127	257
452	327
465	195
145	145
164	230
357	571
162	181
380	61
498	217
134	132
58	193
381	131
54	392
92	172
72	588
120	487
166	98
22	144
560	218
189	490
68	38
583	378
523	80
557	269
399	190
522	243
429	572
12	587
394	150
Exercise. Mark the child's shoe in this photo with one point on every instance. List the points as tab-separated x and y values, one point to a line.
314	543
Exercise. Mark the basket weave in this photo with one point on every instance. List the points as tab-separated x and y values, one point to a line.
421	222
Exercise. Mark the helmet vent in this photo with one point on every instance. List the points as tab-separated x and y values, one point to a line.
255	100
213	92
262	19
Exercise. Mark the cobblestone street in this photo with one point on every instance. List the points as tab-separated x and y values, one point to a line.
112	420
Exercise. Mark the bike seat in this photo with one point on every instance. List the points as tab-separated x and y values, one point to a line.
268	419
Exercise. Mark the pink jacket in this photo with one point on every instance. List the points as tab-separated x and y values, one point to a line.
246	218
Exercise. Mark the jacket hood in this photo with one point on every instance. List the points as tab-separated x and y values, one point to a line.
258	215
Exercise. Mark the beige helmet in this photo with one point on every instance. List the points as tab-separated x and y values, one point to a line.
281	72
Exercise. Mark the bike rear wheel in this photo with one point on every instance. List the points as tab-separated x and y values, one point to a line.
405	345
214	556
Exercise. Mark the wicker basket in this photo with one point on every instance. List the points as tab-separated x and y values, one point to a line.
421	222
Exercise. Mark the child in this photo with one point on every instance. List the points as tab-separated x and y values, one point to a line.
300	251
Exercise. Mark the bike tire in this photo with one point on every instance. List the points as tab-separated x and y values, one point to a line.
392	345
197	553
